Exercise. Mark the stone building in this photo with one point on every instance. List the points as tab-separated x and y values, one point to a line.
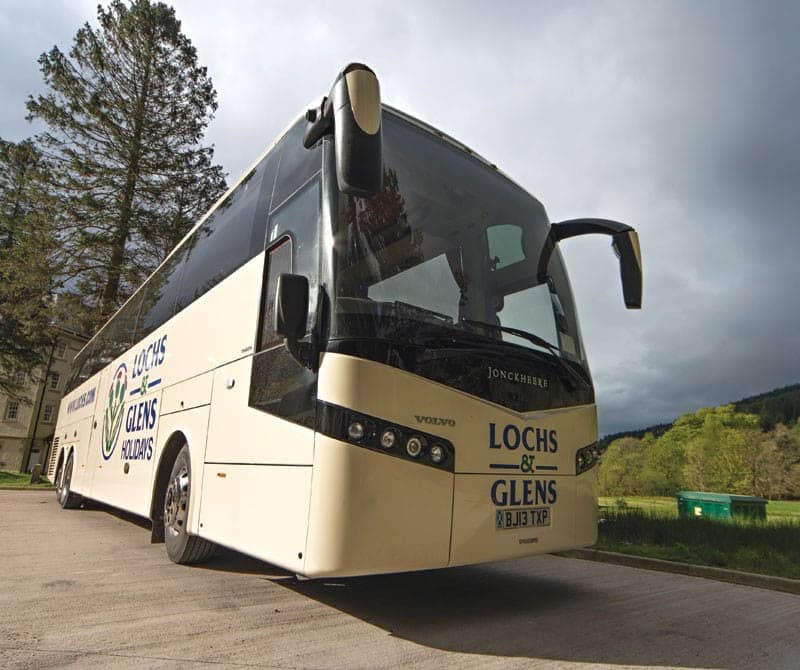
27	423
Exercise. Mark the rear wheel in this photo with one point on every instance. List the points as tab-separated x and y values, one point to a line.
182	547
66	498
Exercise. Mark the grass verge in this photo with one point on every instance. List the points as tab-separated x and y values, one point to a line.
768	549
777	510
18	480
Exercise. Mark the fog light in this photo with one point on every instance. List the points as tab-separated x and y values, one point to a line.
356	430
437	453
414	446
388	438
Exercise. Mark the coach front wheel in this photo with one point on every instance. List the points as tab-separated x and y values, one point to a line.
182	547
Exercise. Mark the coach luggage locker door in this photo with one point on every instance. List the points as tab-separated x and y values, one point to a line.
515	484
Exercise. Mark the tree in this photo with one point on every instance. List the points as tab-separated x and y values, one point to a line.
621	468
125	115
658	463
787	446
666	457
27	277
727	453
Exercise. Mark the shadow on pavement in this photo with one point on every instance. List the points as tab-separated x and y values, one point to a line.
494	610
95	506
227	560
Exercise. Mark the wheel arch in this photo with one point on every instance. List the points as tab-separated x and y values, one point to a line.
166	460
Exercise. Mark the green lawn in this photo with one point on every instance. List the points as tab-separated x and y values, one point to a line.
660	506
16	480
777	510
650	527
783	509
767	548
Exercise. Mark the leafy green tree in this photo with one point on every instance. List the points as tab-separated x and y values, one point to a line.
724	455
125	114
654	474
27	276
718	448
787	448
666	457
768	466
621	468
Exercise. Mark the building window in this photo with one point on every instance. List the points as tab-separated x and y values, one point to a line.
21	377
61	349
47	414
53	379
12	410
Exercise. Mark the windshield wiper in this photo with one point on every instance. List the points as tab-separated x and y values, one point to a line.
531	337
411	311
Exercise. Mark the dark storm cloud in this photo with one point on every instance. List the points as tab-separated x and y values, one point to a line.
26	30
680	118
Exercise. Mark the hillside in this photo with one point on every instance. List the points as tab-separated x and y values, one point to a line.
781	405
777	406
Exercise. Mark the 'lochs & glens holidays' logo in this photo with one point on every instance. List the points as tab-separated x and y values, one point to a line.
112	420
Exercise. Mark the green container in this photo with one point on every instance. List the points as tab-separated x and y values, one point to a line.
721	505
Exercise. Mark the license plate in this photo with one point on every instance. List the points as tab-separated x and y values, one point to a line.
532	517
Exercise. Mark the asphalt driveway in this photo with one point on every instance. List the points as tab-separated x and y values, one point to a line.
85	588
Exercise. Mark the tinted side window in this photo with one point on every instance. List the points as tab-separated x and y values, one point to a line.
278	262
102	353
122	329
159	294
297	164
259	232
79	371
299	219
222	243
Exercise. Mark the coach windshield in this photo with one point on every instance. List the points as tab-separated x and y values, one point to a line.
447	249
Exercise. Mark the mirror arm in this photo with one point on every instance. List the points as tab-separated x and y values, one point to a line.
574	228
320	122
622	234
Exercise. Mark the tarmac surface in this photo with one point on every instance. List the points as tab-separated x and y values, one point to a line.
85	588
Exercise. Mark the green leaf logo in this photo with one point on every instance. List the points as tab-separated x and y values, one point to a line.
112	419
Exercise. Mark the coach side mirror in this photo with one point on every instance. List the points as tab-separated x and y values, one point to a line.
625	242
352	112
626	247
291	307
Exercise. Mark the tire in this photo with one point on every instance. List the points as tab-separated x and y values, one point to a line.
66	498
181	546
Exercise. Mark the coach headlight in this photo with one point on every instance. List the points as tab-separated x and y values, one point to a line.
414	446
355	430
586	458
437	453
388	438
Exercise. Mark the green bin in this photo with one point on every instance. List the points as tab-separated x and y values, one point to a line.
721	505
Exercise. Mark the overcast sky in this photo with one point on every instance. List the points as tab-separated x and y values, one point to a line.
680	118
